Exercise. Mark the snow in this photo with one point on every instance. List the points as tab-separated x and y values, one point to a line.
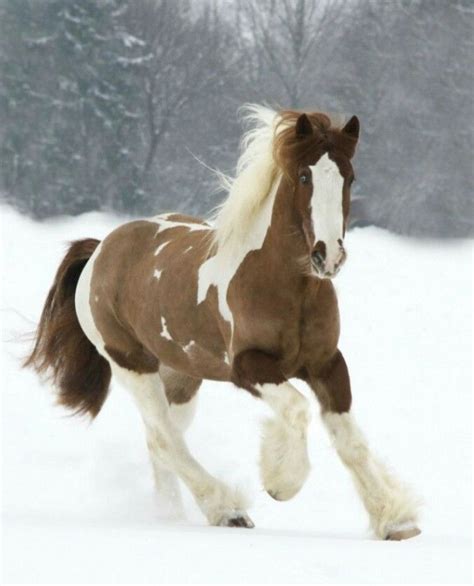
131	40
135	60
78	503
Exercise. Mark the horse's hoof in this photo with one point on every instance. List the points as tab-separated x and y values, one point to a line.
273	494
283	495
284	491
239	520
402	534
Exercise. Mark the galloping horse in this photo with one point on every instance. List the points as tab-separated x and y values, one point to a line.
166	302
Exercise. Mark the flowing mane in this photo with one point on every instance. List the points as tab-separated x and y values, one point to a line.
264	153
256	174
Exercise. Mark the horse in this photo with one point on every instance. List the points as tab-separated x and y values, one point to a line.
166	302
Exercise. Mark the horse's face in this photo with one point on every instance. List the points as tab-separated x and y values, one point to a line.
323	184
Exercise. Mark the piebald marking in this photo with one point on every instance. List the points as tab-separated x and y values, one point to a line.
164	330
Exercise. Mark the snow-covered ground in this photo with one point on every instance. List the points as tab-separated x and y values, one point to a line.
78	503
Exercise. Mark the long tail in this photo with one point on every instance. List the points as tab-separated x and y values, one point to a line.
62	351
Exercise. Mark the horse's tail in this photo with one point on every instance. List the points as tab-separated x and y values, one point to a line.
61	349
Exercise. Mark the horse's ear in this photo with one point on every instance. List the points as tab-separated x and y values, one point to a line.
352	128
303	126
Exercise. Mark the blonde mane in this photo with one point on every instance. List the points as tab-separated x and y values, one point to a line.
256	175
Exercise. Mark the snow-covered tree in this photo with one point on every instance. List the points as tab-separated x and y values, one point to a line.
73	67
104	102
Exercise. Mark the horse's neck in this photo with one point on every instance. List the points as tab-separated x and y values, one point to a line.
285	242
275	232
273	248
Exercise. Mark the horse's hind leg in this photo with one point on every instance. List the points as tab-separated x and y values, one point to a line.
219	503
391	507
181	392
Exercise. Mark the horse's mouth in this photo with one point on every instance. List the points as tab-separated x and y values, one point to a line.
325	274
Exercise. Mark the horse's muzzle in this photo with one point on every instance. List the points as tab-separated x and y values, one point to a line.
323	267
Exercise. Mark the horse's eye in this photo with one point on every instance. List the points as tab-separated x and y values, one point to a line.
304	178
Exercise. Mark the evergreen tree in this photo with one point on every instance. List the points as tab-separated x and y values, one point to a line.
84	105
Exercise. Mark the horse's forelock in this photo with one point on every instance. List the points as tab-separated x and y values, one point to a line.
290	151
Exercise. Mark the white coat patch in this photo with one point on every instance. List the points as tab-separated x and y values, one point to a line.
189	346
168	224
160	248
164	330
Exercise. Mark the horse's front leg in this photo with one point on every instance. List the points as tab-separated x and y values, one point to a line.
284	464
391	507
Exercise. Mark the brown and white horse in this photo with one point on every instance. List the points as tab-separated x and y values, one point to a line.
166	302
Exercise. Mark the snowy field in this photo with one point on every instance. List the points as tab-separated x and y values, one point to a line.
78	503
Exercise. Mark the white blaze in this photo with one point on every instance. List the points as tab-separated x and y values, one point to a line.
326	204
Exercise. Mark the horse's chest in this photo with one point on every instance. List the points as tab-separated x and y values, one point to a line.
320	326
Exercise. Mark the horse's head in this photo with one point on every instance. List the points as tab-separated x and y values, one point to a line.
316	158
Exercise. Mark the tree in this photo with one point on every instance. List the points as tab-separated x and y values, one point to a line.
405	69
286	35
70	67
187	57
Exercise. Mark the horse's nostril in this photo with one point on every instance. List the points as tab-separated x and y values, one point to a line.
318	258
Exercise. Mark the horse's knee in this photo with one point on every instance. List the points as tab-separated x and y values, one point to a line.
300	404
180	388
294	407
